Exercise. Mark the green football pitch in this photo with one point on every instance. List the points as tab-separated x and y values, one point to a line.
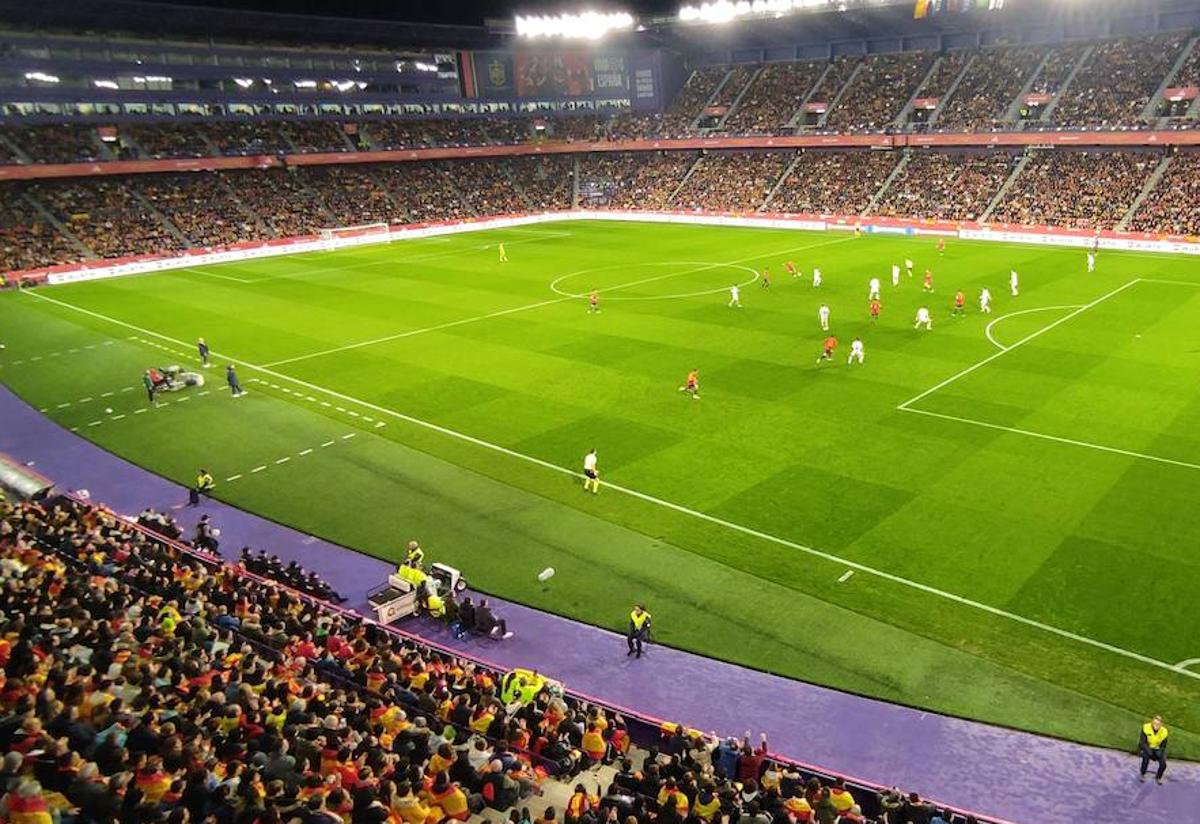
994	518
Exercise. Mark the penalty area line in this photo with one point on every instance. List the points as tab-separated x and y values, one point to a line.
1129	453
683	510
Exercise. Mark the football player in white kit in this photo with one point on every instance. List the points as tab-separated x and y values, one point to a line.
856	351
823	317
1091	261
1013	282
816	277
923	319
985	301
735	296
874	289
895	274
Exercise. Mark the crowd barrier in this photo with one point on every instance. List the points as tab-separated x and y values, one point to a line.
1000	233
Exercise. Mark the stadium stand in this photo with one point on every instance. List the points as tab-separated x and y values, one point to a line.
1057	68
648	181
838	72
677	120
735	83
1081	190
1171	205
396	134
773	98
944	186
65	143
423	191
235	138
106	217
833	182
318	136
878	92
201	206
168	140
351	193
732	181
545	182
147	683
27	240
282	201
1117	81
988	87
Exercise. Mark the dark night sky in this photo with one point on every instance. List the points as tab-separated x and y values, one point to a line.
468	12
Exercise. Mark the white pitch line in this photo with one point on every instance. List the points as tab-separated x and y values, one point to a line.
1129	453
1189	662
210	274
232	478
1022	341
987	330
703	516
845	576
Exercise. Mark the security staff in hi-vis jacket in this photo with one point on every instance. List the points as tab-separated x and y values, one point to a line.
639	630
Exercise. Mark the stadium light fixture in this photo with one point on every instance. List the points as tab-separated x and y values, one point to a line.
105	84
244	82
723	11
304	84
589	25
41	77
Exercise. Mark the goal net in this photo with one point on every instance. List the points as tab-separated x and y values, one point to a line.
350	235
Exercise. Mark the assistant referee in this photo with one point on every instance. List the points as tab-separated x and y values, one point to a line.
639	630
1152	746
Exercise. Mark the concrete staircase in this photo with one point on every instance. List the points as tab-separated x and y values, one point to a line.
47	215
1149	113
516	185
837	98
14	149
575	182
1148	187
996	201
794	121
902	118
1066	86
1013	114
691	170
694	125
779	183
945	98
737	101
897	170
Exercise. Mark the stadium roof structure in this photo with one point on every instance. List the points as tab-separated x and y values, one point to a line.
475	24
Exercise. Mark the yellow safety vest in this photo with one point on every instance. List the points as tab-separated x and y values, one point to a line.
639	619
1154	739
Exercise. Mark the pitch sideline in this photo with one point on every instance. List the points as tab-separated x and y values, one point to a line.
816	553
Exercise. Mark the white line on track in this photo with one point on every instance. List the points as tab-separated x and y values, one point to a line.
1021	342
501	313
987	331
683	510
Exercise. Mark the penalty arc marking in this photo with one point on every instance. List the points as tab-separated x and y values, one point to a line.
679	508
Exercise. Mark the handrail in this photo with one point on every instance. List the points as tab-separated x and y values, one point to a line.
625	712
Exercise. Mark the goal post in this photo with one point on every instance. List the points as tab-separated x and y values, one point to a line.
353	235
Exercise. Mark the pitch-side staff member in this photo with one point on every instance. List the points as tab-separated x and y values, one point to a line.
639	630
1152	745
